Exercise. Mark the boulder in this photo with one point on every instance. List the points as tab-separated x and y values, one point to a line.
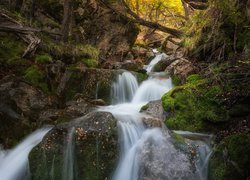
20	104
73	109
154	109
181	68
90	83
91	139
154	114
164	63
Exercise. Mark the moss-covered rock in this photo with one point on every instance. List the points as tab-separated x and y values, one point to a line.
34	75
95	149
231	159
194	106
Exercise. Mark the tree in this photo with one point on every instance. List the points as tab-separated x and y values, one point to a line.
67	18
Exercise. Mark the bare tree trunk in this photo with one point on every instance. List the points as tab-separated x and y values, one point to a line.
67	14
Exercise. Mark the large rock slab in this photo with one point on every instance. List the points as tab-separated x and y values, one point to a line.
94	148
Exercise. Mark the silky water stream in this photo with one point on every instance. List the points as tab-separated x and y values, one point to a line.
151	153
145	153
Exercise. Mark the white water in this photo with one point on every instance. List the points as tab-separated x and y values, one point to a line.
69	156
124	88
14	164
158	57
149	153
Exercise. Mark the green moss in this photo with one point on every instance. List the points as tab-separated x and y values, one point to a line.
193	78
87	51
231	158
193	105
43	58
141	77
168	101
144	108
11	50
90	63
36	77
176	80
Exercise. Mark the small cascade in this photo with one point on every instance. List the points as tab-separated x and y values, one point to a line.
151	153
69	157
14	164
152	89
124	88
149	68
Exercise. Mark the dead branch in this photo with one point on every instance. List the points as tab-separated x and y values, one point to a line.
8	24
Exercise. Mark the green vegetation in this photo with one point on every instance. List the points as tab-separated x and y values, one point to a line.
144	108
11	50
36	77
87	51
194	105
43	58
219	32
90	63
231	158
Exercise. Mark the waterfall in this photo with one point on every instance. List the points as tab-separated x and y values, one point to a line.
152	89
124	88
150	153
158	57
14	164
69	156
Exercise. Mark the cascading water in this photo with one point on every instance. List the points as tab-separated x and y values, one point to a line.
14	163
69	157
150	153
124	89
154	61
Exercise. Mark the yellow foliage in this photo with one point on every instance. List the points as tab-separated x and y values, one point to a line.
166	12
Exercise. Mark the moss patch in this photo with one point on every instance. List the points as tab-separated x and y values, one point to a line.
194	105
36	77
231	159
90	63
11	50
43	58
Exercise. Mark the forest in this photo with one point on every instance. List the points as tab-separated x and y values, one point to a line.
124	89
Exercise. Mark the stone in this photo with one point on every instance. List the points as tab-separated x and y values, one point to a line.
95	137
181	68
20	104
98	102
154	109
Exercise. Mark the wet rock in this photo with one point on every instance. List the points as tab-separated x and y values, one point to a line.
181	68
20	104
96	148
154	109
151	122
90	82
98	102
73	109
164	63
132	65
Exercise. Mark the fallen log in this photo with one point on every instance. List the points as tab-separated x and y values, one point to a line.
8	24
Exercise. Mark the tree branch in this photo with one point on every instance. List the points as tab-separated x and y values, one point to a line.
136	19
